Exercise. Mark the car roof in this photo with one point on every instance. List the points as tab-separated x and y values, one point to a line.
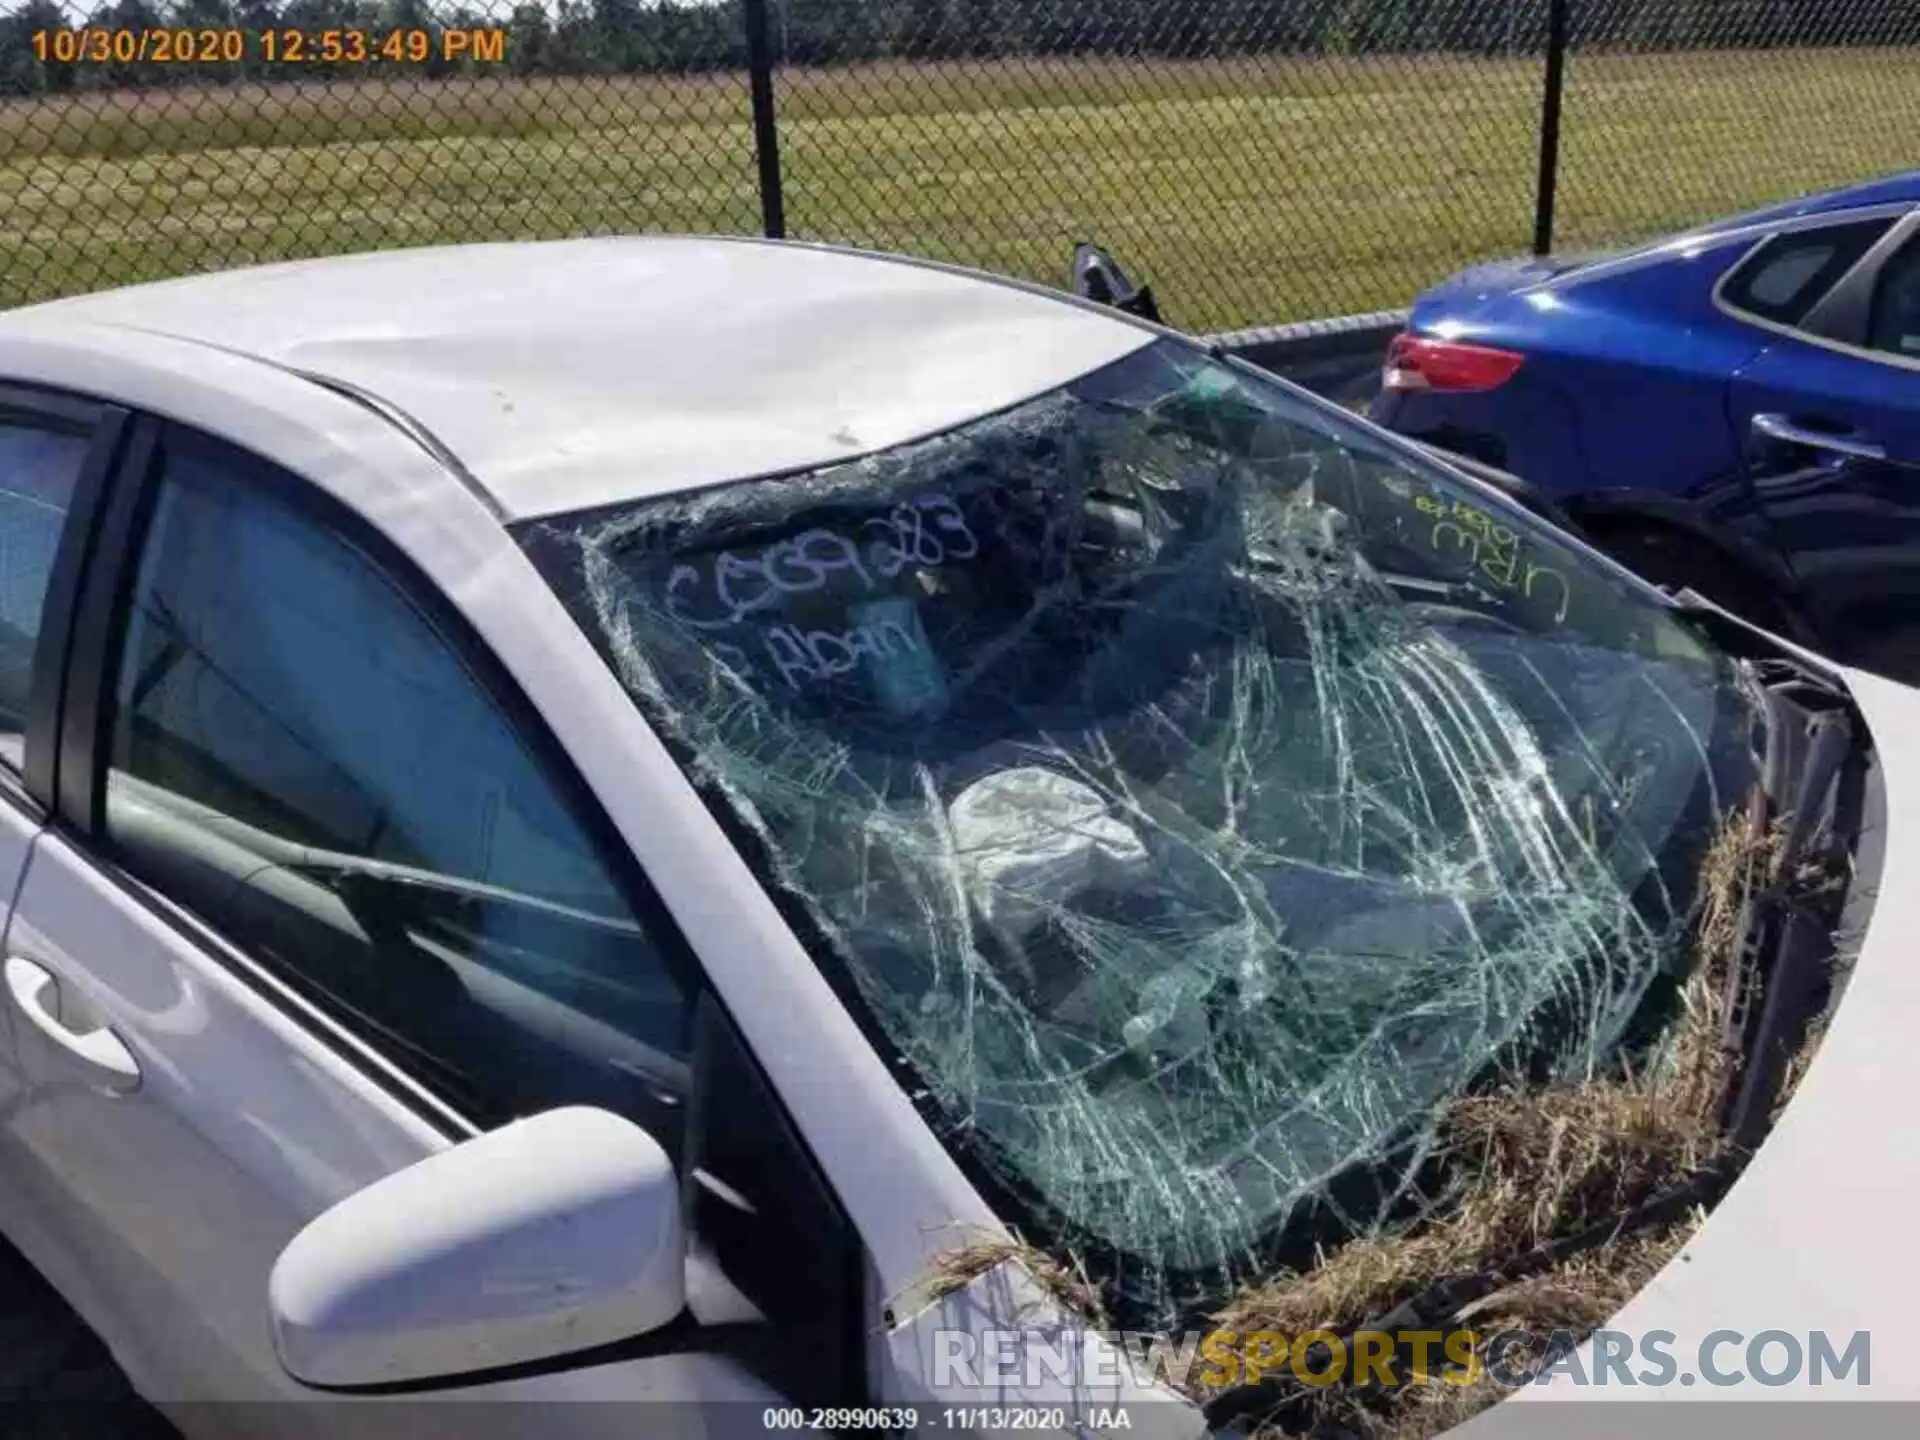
569	374
1898	189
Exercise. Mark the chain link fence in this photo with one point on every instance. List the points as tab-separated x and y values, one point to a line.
1257	160
1680	110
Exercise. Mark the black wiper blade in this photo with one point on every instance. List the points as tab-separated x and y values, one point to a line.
1729	631
1452	592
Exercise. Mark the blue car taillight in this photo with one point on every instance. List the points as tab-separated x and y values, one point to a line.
1427	363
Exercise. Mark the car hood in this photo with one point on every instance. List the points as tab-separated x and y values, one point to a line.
1812	1236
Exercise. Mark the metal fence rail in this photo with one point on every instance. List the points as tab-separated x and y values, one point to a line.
1258	160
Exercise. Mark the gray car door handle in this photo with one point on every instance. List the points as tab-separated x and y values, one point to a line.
1780	428
98	1055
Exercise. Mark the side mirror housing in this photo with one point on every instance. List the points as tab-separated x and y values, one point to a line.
548	1236
1097	276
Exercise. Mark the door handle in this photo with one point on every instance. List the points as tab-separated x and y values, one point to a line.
1783	430
99	1055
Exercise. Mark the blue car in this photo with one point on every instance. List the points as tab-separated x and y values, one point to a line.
1736	409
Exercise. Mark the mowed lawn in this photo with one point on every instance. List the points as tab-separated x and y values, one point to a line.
1248	191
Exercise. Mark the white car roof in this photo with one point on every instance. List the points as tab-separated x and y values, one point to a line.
569	374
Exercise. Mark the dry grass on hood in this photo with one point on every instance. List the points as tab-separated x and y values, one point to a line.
1580	1296
1534	1163
1538	1162
1065	1280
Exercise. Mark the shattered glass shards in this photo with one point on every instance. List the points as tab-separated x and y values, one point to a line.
1196	796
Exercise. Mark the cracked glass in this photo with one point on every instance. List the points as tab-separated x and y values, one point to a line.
1190	790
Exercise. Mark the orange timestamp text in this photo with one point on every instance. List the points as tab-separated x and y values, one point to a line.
165	45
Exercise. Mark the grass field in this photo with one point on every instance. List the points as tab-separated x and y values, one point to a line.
1247	191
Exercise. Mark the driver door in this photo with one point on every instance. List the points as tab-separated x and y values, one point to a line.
326	899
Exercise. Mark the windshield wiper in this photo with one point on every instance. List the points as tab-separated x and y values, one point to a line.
1452	592
1727	630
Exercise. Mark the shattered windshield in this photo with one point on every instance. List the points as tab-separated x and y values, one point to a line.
1192	790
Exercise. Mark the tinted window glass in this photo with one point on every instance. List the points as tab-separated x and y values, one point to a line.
1784	278
302	758
38	469
1894	324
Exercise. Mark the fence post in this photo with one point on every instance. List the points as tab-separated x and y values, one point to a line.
1550	126
766	133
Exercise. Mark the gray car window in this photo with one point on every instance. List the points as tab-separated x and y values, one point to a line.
38	470
303	758
1893	324
1783	279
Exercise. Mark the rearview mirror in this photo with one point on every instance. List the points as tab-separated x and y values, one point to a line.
548	1236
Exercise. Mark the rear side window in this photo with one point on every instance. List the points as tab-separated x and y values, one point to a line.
38	470
1785	278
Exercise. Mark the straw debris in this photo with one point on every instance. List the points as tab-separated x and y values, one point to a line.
1531	1165
1535	1163
1064	1279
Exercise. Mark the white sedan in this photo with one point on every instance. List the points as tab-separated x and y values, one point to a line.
577	816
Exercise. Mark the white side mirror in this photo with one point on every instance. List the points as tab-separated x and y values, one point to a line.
548	1236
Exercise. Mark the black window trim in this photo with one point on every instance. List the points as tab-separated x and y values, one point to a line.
15	795
1870	296
1755	259
78	811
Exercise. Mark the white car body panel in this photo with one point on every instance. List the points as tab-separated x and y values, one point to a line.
577	373
1072	1369
16	840
242	1121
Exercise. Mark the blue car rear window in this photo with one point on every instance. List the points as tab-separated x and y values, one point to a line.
1787	276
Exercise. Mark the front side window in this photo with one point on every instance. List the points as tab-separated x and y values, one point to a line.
1189	788
302	757
38	470
1893	321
